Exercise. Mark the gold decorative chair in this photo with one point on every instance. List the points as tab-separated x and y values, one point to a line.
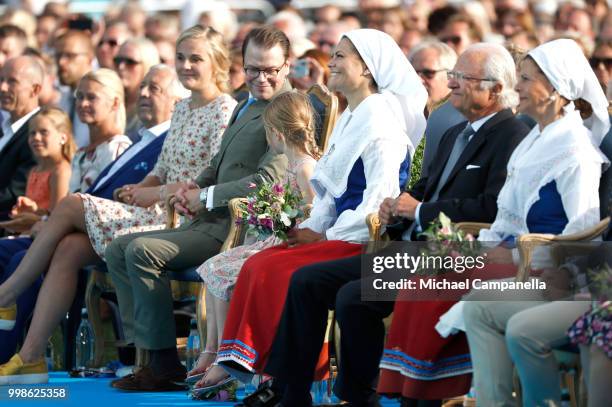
325	104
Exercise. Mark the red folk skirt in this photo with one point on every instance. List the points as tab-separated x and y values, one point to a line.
419	363
259	299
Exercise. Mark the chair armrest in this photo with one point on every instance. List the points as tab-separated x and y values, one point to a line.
171	215
527	242
233	237
374	226
472	228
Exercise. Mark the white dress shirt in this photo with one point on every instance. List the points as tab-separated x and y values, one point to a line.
147	137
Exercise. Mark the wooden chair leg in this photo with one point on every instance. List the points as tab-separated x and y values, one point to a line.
93	295
569	377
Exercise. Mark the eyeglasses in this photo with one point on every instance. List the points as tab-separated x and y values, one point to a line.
595	62
269	73
453	39
460	76
125	60
110	43
430	73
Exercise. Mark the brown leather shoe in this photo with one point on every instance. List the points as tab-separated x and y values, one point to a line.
146	380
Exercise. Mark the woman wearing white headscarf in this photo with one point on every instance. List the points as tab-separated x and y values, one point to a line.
367	160
552	187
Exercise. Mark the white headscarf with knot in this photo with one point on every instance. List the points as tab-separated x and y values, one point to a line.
395	77
569	72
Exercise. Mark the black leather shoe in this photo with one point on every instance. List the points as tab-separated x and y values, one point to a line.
263	397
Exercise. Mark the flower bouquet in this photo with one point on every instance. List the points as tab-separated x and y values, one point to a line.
271	210
449	244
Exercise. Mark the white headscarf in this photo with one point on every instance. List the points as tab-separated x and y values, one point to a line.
395	77
569	72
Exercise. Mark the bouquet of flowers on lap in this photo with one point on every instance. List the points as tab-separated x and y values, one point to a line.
271	210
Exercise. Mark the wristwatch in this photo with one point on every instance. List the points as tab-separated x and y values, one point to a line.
203	196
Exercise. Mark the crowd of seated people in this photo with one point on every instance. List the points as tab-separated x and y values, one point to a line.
492	112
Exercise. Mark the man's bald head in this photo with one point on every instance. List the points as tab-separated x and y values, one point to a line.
21	80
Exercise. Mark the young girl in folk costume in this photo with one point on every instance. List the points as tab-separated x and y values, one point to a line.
51	142
290	127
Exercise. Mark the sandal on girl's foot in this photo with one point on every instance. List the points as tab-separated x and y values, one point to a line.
225	390
196	374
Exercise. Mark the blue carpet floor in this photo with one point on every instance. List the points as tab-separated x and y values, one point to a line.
85	392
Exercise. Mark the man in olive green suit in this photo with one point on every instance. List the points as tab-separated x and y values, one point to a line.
137	262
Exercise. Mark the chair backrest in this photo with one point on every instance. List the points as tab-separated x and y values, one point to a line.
325	104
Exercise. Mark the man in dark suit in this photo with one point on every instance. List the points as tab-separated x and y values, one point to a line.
143	289
21	79
464	179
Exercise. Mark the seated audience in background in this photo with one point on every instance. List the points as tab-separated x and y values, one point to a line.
459	32
13	42
367	159
21	79
315	289
290	130
143	289
63	246
132	62
46	26
553	189
310	69
115	34
432	60
166	50
74	55
601	62
237	76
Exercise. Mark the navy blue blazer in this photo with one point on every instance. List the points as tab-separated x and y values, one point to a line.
131	172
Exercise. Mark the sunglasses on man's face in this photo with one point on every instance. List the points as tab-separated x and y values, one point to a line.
110	43
452	39
595	62
124	60
429	73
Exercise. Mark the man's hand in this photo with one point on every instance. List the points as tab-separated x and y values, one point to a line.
186	200
385	211
405	206
302	236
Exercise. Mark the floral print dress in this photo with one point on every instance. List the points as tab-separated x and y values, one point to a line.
193	140
594	327
220	272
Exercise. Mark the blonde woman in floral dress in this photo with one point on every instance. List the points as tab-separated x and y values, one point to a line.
289	124
194	138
